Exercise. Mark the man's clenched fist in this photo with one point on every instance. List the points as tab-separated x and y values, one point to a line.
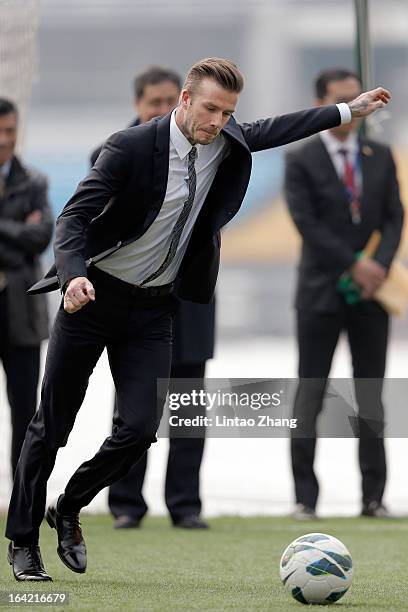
79	292
369	101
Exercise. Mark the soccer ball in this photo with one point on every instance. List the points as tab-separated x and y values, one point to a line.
316	568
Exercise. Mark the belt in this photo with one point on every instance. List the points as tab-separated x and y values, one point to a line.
121	286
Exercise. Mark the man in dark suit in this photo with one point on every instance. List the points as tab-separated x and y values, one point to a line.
149	213
25	232
340	188
156	93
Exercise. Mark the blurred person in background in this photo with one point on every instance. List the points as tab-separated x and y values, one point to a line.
340	187
156	93
144	222
25	231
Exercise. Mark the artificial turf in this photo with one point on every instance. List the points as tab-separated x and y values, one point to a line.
232	566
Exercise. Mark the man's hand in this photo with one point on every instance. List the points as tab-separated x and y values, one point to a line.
370	101
369	275
34	217
79	292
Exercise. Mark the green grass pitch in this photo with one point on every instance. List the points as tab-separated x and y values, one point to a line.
233	566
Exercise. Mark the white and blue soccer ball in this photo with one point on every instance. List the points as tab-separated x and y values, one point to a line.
316	569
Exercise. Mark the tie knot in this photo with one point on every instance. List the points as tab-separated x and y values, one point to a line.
343	152
193	154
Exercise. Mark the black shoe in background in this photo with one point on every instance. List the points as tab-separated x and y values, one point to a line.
190	522
377	510
124	521
71	545
304	513
27	563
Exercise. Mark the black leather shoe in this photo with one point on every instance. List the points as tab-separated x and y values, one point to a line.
71	545
27	563
190	522
124	521
304	513
376	510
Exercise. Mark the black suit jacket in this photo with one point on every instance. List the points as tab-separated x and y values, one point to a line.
21	245
124	191
319	206
193	324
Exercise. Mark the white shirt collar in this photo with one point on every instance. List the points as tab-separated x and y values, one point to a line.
179	141
333	145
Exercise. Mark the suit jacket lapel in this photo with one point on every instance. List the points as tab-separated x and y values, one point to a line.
367	168
17	179
325	165
160	167
161	158
231	129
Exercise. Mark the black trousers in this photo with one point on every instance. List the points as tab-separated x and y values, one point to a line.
182	494
137	334
366	325
22	368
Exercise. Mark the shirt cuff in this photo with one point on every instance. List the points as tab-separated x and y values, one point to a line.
345	112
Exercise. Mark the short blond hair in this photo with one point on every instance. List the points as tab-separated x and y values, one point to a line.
222	71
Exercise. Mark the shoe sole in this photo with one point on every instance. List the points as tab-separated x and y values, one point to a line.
52	524
10	560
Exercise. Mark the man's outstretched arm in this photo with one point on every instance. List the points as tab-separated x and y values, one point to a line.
277	131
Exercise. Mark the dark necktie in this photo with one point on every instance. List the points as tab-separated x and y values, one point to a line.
181	221
351	188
